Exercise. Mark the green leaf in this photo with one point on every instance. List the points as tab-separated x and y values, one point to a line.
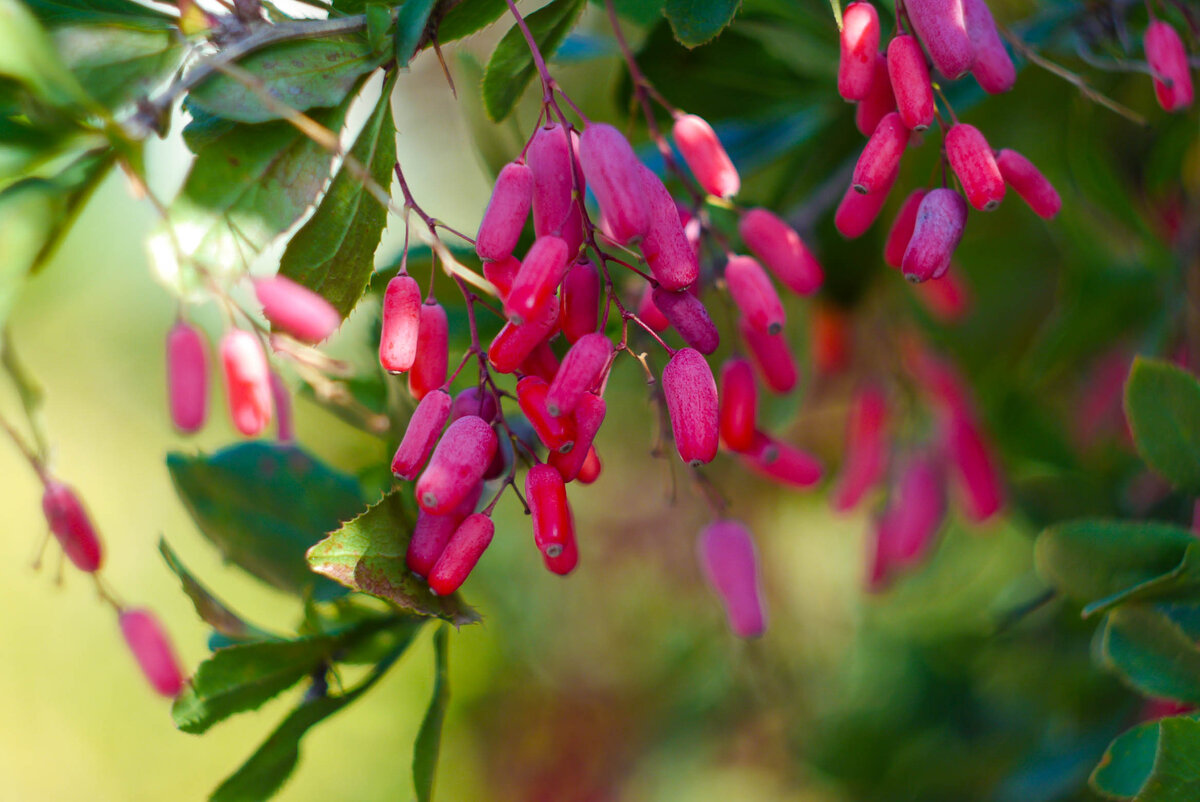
379	22
1127	762
368	555
118	65
333	254
124	13
468	17
639	12
1162	404
263	504
303	74
1176	773
495	144
1180	583
28	56
697	21
511	68
429	737
1152	653
411	24
210	609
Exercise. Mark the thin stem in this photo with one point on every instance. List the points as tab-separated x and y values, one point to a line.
38	467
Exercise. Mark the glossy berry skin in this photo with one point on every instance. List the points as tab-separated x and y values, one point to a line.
71	526
729	562
581	369
879	162
461	554
588	417
590	470
150	647
432	532
971	158
555	208
880	102
281	397
941	25
457	465
974	466
781	251
247	382
1169	60
902	229
773	358
567	559
612	171
541	272
502	274
669	254
401	324
187	377
782	462
541	362
993	69
691	394
424	428
1028	182
858	45
738	405
754	294
433	352
857	212
557	433
937	231
553	525
507	210
910	82
580	301
690	318
705	156
866	448
649	313
296	309
474	401
513	344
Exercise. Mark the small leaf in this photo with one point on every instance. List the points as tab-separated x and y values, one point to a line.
1142	753
697	21
333	254
210	609
410	28
263	504
368	555
1152	653
511	68
379	22
1176	773
429	737
118	65
1162	404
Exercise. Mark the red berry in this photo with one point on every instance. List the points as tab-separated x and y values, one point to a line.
558	433
541	362
401	323
502	273
540	274
566	561
730	565
857	212
705	156
612	171
866	455
506	212
973	465
588	416
1028	182
146	639
461	554
649	313
942	26
475	401
830	339
296	309
904	532
879	103
782	462
553	525
669	254
971	158
691	395
1169	61
879	162
859	44
187	377
773	357
902	229
690	318
424	428
514	343
754	294
739	404
69	522
433	351
781	250
910	82
247	381
556	210
432	532
936	233
947	298
581	368
590	471
580	301
993	69
457	465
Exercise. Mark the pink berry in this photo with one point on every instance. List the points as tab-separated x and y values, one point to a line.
1169	60
903	534
296	309
937	231
461	554
829	339
1028	182
187	377
553	525
580	370
730	565
971	158
879	162
580	301
942	26
902	229
432	532
247	381
773	357
541	362
588	416
649	313
859	44
69	523
506	212
669	254
612	171
782	462
866	455
690	318
974	466
993	69
401	324
457	465
433	351
781	250
948	298
556	208
705	156
910	82
536	282
880	102
513	344
474	401
285	431
424	428
502	273
691	394
754	294
557	433
857	212
146	639
739	405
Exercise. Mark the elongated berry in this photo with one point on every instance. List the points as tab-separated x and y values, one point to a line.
557	433
1169	60
71	526
973	465
580	369
567	559
858	46
461	554
247	382
781	250
690	318
866	455
474	401
739	404
506	212
948	298
857	212
942	26
296	309
649	313
433	351
458	463
541	362
148	642
590	471
513	344
431	533
1028	182
829	339
556	206
669	254
782	462
910	82
705	156
536	282
993	69
424	428
972	160
937	231
879	161
903	534
754	294
691	395
281	397
580	301
588	416
880	102
612	171
502	273
187	377
773	358
730	565
553	525
902	229
401	324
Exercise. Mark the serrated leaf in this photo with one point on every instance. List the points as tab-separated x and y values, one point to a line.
302	74
511	68
368	555
410	28
468	17
429	737
118	65
695	22
1152	653
333	254
211	610
263	505
1162	404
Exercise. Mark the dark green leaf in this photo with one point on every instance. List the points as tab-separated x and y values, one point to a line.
368	555
263	504
639	12
210	609
410	28
1176	774
511	68
118	65
1143	761
1152	653
303	74
697	21
379	22
123	13
1162	404
429	737
468	17
1180	583
334	253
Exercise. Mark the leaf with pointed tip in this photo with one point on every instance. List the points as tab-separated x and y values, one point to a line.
411	24
511	68
695	22
429	737
1162	404
1152	653
210	609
